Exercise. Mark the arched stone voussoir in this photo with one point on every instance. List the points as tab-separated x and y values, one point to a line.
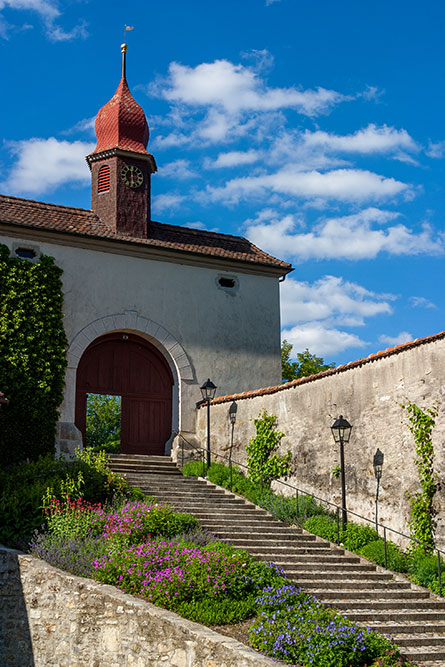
130	320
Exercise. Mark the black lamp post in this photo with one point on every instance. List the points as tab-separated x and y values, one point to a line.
208	390
232	416
341	430
378	466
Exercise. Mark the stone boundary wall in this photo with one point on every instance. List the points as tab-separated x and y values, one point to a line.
51	618
368	393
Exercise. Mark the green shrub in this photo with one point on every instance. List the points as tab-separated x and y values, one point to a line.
423	570
323	526
23	486
375	551
192	469
32	356
356	536
218	612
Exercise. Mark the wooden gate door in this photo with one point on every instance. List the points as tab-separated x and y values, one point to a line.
128	366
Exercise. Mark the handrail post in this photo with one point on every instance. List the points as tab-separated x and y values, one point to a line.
439	571
230	474
182	453
297	504
338	525
203	464
384	543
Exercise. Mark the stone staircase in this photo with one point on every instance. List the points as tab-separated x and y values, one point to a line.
361	591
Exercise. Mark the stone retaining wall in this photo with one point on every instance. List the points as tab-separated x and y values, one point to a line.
52	618
368	393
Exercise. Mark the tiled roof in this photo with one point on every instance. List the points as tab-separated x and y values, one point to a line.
78	221
121	123
332	371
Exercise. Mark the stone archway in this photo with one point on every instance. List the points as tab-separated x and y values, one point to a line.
127	365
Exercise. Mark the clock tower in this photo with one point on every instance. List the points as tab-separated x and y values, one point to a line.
120	165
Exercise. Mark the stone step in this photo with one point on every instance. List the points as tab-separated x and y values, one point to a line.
146	470
356	597
140	457
187	495
329	585
261	523
336	576
423	654
275	546
408	628
325	569
421	641
268	536
364	616
406	605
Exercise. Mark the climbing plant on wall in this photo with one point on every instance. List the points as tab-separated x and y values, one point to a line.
32	355
422	523
264	463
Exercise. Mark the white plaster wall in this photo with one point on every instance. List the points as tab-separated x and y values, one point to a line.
233	338
369	397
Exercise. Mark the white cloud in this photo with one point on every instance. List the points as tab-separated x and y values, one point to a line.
436	150
402	337
421	302
85	125
45	164
234	159
236	88
371	139
330	297
320	339
312	313
346	185
179	170
49	13
167	202
351	237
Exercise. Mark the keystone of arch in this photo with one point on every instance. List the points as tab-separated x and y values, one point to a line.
130	320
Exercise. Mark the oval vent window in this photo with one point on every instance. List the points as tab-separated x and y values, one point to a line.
227	282
103	179
25	253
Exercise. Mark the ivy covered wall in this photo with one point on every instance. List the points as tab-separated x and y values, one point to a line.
32	355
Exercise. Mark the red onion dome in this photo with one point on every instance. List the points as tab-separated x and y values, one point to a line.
121	123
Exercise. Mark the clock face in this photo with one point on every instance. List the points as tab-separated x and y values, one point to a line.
132	176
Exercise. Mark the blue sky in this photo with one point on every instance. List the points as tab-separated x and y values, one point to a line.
314	128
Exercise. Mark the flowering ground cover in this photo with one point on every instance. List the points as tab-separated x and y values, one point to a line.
296	627
146	549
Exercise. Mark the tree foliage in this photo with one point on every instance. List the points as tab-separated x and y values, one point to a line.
305	364
263	462
103	421
32	355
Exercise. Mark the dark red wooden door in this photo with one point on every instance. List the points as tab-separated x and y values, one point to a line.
128	366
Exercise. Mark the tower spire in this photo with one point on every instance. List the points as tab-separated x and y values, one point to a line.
124	60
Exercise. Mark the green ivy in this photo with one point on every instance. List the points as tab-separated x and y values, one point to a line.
264	464
32	356
422	523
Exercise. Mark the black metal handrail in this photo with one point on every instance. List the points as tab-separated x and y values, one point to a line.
338	508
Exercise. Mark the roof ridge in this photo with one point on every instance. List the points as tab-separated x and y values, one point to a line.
252	393
200	232
45	204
